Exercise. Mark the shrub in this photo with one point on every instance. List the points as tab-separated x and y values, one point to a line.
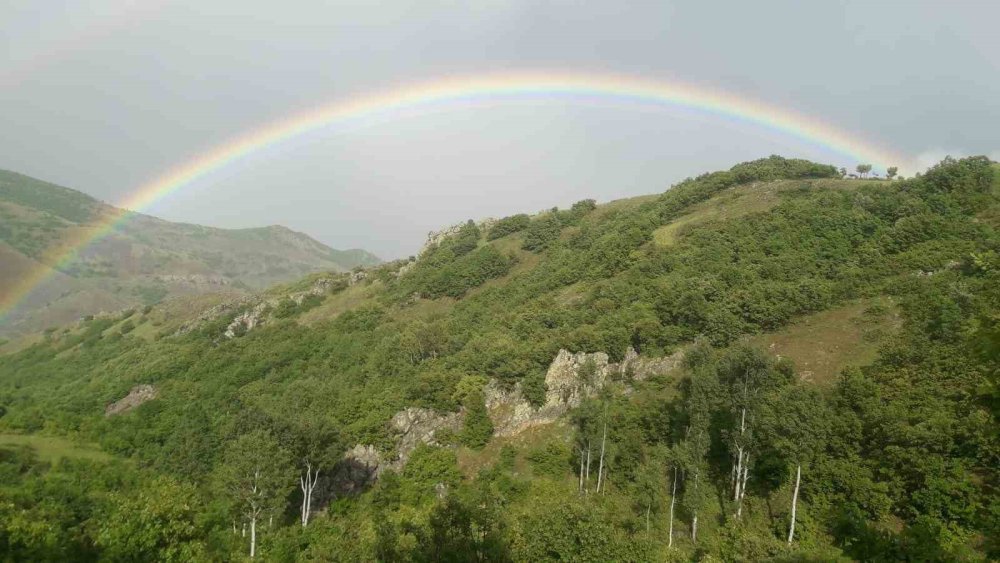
508	225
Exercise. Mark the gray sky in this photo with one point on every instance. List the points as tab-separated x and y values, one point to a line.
106	96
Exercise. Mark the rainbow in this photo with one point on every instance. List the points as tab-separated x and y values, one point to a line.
470	89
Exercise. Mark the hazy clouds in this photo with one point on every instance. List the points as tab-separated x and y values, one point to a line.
106	96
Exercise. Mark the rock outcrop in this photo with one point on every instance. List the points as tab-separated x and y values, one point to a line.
417	426
413	426
569	380
357	471
136	396
255	310
435	238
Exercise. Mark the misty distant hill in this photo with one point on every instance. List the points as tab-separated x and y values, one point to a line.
143	261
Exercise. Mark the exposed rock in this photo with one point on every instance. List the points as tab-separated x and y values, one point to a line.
413	426
247	320
637	367
405	268
357	277
215	312
435	238
569	379
137	396
359	468
255	309
194	279
419	426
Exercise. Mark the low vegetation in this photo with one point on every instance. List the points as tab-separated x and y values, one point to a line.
736	455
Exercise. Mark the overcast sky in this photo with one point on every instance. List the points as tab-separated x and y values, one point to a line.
106	96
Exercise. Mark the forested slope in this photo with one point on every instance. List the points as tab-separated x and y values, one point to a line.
142	260
681	432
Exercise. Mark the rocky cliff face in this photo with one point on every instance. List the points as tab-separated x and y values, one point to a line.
435	237
136	396
413	426
569	380
255	310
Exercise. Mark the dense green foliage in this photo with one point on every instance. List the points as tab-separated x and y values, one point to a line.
898	459
508	225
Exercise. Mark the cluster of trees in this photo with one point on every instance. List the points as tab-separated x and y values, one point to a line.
895	460
863	170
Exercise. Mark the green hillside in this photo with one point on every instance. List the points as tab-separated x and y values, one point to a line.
653	379
143	261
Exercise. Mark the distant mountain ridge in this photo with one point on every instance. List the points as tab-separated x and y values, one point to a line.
142	261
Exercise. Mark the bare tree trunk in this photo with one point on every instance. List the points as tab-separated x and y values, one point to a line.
743	486
253	537
694	517
732	475
244	529
738	473
307	484
673	500
600	467
581	470
648	506
588	461
795	500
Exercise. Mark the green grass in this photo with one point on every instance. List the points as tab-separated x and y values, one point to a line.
730	204
53	448
823	344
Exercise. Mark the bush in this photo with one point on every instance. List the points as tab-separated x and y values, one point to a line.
478	428
508	225
542	232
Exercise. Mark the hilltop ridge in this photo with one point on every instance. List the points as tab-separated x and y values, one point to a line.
532	388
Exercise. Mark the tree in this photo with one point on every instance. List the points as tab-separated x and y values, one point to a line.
157	522
604	440
703	386
863	169
478	427
891	172
796	423
747	373
318	448
843	172
257	474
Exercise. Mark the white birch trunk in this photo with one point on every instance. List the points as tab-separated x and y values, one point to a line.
600	467
307	484
673	500
694	518
746	476
588	461
581	470
795	500
253	537
738	473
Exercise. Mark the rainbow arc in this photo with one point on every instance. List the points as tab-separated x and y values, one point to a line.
463	90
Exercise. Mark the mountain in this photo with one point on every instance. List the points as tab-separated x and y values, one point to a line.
141	261
762	363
